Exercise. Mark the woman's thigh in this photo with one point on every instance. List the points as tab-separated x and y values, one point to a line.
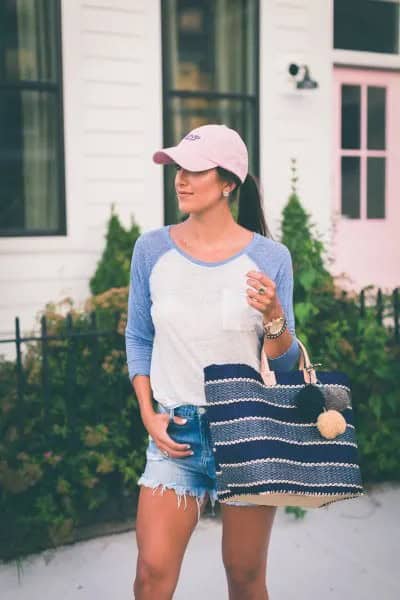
173	494
163	531
246	532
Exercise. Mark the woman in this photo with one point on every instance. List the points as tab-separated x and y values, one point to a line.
206	290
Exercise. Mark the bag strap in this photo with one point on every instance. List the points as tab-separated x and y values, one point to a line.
305	365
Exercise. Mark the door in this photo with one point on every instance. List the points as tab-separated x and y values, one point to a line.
366	235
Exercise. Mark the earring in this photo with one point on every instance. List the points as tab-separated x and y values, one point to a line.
225	193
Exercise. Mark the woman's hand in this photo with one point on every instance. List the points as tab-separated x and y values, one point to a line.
267	303
156	426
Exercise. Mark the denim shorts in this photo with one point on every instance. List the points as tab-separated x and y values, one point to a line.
193	474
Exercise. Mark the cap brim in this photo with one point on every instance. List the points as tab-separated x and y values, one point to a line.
191	162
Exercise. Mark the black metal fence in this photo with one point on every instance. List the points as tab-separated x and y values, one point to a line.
387	308
91	335
94	333
395	306
85	336
67	386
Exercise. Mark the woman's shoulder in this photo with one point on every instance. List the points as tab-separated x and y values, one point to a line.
153	242
272	249
150	245
152	237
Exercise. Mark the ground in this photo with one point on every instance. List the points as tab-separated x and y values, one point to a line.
348	550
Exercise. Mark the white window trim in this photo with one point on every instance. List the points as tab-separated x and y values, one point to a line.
358	58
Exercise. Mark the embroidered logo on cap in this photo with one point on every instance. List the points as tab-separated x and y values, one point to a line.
192	137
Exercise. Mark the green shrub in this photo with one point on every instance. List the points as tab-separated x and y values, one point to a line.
329	323
114	265
72	457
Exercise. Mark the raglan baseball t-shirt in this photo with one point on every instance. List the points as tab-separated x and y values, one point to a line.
185	313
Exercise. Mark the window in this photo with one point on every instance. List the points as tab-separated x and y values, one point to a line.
363	150
31	151
210	64
368	25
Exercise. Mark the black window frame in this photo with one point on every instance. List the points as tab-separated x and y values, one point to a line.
57	89
168	94
338	35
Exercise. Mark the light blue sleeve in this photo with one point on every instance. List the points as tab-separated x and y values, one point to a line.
139	331
284	288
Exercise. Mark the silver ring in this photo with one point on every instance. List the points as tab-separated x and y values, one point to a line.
165	452
261	290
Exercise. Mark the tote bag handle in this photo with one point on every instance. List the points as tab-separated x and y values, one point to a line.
305	366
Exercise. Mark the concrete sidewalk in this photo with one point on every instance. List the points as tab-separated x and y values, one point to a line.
348	550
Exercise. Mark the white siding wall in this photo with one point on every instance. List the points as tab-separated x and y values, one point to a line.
296	123
113	123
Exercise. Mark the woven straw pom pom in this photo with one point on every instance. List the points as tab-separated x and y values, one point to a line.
331	423
337	398
310	401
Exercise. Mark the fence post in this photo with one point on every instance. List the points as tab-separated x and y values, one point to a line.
379	307
396	314
45	371
121	498
70	383
20	377
362	303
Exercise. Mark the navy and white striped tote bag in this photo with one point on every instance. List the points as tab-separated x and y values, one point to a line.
282	438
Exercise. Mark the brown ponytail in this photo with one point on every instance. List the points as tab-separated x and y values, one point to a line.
250	208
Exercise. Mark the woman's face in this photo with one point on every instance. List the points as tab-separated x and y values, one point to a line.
198	190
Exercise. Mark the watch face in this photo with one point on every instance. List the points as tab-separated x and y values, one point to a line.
276	326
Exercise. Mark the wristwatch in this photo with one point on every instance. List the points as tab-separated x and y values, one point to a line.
275	328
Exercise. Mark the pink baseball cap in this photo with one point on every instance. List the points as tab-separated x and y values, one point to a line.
206	147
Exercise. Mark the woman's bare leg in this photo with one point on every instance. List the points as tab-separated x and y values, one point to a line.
246	533
163	531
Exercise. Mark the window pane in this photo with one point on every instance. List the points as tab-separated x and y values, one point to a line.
188	113
351	116
28	40
351	186
211	48
370	25
376	188
211	45
376	118
28	161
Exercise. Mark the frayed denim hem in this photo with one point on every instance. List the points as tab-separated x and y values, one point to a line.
181	491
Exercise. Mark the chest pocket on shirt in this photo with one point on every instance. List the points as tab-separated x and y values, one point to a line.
236	313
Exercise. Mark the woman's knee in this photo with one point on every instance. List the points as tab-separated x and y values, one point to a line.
240	573
151	573
246	581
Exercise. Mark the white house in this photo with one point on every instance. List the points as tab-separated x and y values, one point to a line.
89	89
